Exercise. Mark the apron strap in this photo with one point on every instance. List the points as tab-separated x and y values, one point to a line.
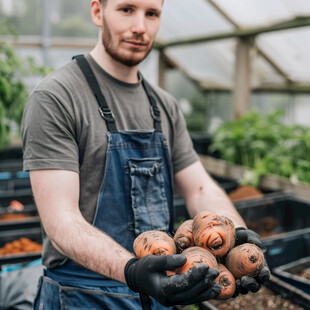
104	109
155	112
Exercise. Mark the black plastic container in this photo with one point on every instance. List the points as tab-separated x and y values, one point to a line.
24	196
291	272
33	234
13	152
275	213
14	180
288	247
284	249
279	287
21	223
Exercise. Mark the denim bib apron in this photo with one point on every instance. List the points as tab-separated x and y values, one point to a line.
136	195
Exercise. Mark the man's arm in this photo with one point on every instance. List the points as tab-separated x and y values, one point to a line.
201	192
56	194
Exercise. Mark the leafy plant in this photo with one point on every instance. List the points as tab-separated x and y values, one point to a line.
265	144
13	91
196	120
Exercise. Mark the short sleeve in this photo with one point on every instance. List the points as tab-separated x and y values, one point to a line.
48	134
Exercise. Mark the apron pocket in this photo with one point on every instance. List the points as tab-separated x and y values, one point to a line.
74	298
148	194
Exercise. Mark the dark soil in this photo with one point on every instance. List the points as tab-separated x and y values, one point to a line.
262	300
245	192
305	274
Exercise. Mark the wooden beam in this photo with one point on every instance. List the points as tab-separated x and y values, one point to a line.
241	96
162	67
239	33
259	50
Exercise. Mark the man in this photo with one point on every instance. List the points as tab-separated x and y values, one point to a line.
103	148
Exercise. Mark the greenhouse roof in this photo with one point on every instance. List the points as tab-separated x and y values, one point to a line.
279	31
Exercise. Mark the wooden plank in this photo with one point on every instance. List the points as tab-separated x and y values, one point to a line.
221	168
242	92
239	33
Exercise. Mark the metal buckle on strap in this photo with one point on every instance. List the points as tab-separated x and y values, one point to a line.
106	115
155	113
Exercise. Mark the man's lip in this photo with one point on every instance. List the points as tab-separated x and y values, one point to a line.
135	43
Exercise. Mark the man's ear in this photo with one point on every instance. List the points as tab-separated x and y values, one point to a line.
96	12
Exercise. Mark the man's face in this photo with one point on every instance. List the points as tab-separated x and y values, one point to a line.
129	29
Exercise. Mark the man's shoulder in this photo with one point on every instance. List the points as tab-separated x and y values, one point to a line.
66	77
163	95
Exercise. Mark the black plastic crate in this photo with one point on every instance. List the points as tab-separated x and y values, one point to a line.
288	247
279	287
6	236
24	196
291	273
14	180
275	213
11	165
28	222
12	152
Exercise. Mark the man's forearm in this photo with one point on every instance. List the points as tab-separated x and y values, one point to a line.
214	199
90	247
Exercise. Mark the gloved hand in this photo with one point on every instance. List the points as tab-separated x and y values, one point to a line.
249	284
244	235
147	275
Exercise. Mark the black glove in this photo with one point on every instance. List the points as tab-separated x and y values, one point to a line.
250	284
244	235
147	275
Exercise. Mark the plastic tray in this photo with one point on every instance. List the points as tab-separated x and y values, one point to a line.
11	165
23	223
289	273
24	196
275	213
275	284
33	234
14	180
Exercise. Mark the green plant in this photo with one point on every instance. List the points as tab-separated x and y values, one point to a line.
265	144
196	120
13	91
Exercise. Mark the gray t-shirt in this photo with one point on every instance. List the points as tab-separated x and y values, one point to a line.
63	129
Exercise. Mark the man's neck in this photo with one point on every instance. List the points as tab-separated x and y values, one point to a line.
114	68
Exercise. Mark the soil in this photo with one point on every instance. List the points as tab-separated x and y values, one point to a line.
306	274
245	192
13	216
264	227
262	300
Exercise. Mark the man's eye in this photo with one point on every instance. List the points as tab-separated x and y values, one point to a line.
126	10
152	14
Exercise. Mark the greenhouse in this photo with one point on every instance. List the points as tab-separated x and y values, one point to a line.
220	126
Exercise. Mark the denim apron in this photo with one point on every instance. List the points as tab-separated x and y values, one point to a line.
136	195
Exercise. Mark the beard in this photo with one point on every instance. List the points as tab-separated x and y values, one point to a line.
131	60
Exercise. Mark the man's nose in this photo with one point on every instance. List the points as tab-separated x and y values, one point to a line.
138	26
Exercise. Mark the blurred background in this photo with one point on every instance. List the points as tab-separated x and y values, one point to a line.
219	58
240	70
